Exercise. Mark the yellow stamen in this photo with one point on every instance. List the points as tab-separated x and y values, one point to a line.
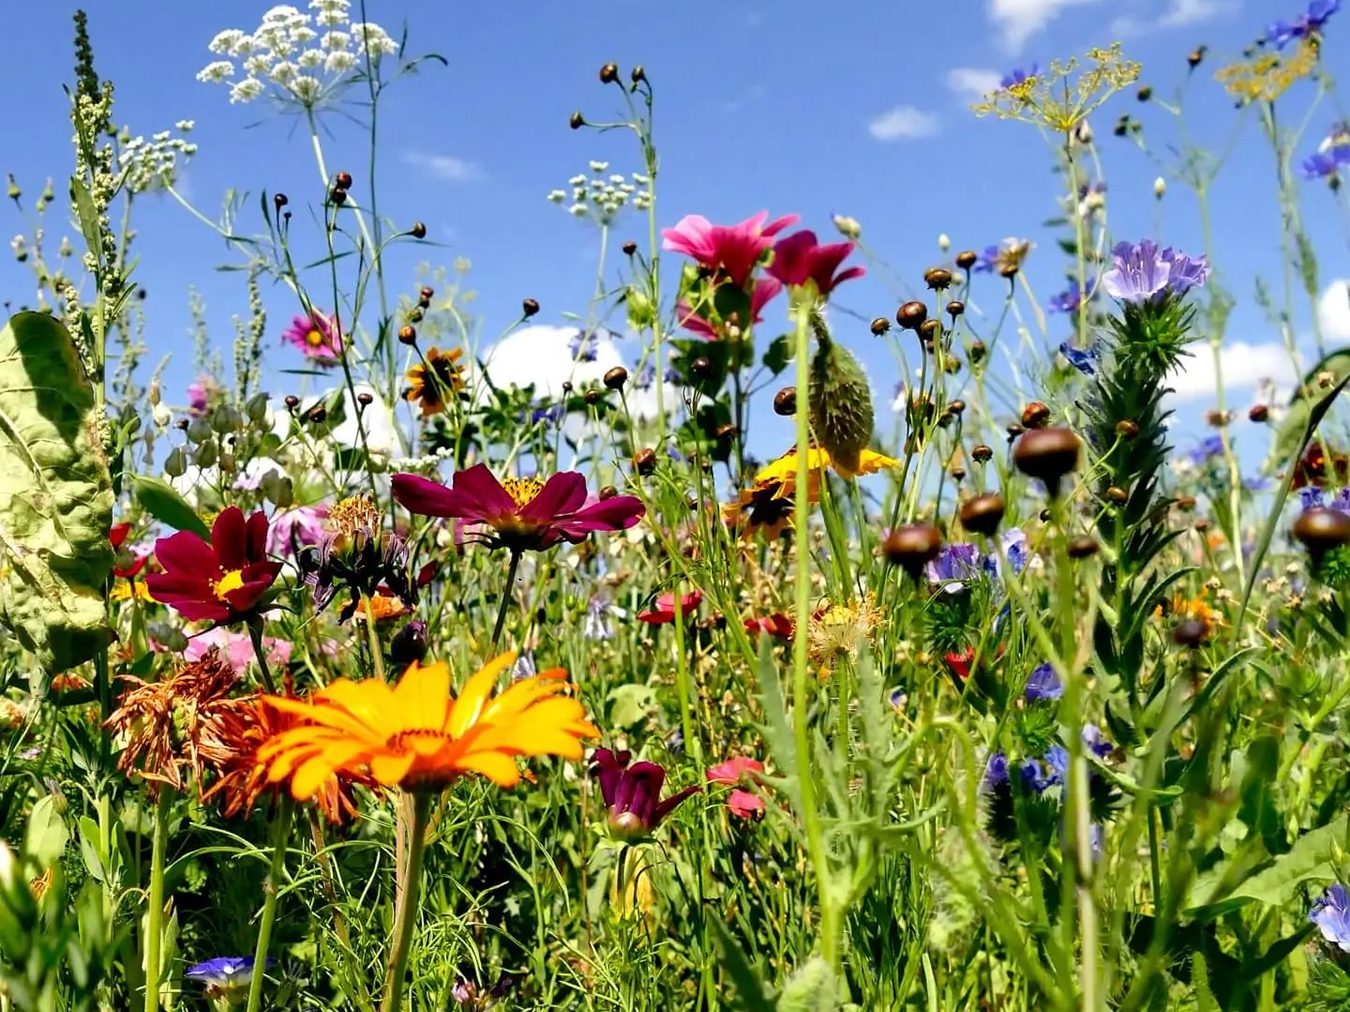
314	338
522	490
232	580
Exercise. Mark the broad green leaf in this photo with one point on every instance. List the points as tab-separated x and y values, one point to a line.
1277	883
159	499
55	496
46	838
630	703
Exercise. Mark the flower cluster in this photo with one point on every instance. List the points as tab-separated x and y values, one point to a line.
1144	273
154	164
601	196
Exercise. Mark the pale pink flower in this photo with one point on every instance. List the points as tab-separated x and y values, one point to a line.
295	528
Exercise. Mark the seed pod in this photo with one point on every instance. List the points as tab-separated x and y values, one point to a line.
608	492
1127	429
1117	495
175	464
637	74
1082	547
785	401
1014	430
317	414
1047	454
292	402
593	396
929	331
958	473
418	230
982	454
365	398
966	259
880	325
957	407
937	278
576	121
609	73
1258	412
528	307
983	513
1035	415
280	200
1320	530
911	315
615	378
343	180
629	247
338	196
955	308
1144	94
912	547
407	334
840	402
701	367
644	461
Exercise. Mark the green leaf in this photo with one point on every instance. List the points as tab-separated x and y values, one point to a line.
1285	448
55	496
629	704
1277	883
159	499
778	355
750	994
811	989
88	213
46	838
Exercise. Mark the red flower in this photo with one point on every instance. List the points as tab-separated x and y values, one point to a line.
118	535
764	291
222	580
732	250
130	562
799	259
777	625
960	662
745	805
633	793
519	513
740	770
664	611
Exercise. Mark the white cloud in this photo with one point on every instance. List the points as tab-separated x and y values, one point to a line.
1333	311
1245	366
904	122
444	167
1018	20
1177	14
973	82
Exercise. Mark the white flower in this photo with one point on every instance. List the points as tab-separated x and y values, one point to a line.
578	210
244	47
258	64
336	40
557	196
638	177
304	34
306	87
330	19
374	38
246	90
310	59
577	180
578	193
616	178
338	62
225	41
599	166
184	125
283	72
215	73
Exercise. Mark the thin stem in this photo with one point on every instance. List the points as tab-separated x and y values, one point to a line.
269	910
507	594
373	639
155	927
255	633
406	917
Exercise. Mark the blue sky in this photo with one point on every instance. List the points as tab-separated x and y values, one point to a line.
790	107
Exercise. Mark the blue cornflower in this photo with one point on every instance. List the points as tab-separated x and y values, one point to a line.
595	626
1019	74
1310	22
898	698
1014	547
1083	359
1209	448
547	414
225	977
582	346
1331	914
1043	683
1327	165
1096	742
1311	498
524	667
1144	273
646	376
954	565
995	772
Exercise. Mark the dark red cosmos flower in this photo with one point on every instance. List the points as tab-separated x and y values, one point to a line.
519	513
663	613
741	770
799	259
633	793
128	563
221	580
776	625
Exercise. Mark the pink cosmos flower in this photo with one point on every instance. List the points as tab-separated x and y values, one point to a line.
745	805
731	249
318	337
518	513
740	770
664	611
237	648
295	528
765	290
799	259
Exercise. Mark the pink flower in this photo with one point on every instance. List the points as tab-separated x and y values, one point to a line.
318	336
664	612
294	528
237	648
196	392
740	770
799	259
765	290
745	805
732	249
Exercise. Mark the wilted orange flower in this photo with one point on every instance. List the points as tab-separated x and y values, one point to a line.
417	735
429	383
164	721
381	606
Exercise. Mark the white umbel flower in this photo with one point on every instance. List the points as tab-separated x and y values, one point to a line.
246	90
216	72
224	43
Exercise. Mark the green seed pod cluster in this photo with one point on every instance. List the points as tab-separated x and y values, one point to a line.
841	404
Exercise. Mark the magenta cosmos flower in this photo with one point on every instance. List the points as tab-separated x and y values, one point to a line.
730	249
799	259
633	793
765	289
222	580
518	513
317	336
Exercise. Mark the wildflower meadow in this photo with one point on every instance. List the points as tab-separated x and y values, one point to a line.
734	604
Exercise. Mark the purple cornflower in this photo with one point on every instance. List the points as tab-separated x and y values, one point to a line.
1144	273
995	772
582	346
1327	166
1312	497
633	793
226	977
1096	742
1083	359
1043	684
547	414
1310	22
1331	914
1209	448
647	375
196	392
954	565
1019	74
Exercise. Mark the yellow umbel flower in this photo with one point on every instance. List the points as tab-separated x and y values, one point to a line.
1268	75
416	735
1058	99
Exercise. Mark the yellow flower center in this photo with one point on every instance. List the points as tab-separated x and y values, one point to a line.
354	514
314	338
232	580
522	491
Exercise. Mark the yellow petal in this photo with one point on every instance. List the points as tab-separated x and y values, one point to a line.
389	768
470	702
421	697
497	767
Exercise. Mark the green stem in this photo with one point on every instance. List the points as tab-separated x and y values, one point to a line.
507	594
155	927
255	633
269	910
373	639
406	917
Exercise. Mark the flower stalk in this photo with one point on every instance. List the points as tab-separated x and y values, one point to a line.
154	932
405	918
281	831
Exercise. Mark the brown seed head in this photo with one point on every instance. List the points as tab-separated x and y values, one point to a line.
911	315
615	378
407	334
982	454
1127	429
629	247
1035	415
1258	412
1117	495
966	259
955	308
929	331
418	230
785	401
529	307
644	461
576	121
937	278
1320	530
344	180
609	73
1047	454
1083	546
912	547
983	513
880	325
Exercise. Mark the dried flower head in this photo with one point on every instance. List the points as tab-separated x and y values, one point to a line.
1268	74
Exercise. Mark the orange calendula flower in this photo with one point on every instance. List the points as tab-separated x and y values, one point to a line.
416	735
767	507
430	381
784	469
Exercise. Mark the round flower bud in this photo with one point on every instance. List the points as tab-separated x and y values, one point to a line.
958	473
365	398
1159	187
1258	412
292	402
344	180
929	330
338	196
983	513
644	461
629	247
426	293
955	308
608	492
977	352
944	242
701	367
1127	429
529	307
966	259
576	121
912	547
616	378
1047	454
609	73
1320	530
1082	547
593	396
727	431
567	387
1117	495
880	325
407	334
416	314
1191	633
1144	94
785	401
982	454
1035	415
280	200
1014	430
1186	503
937	278
317	414
911	315
637	74
418	230
1195	56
